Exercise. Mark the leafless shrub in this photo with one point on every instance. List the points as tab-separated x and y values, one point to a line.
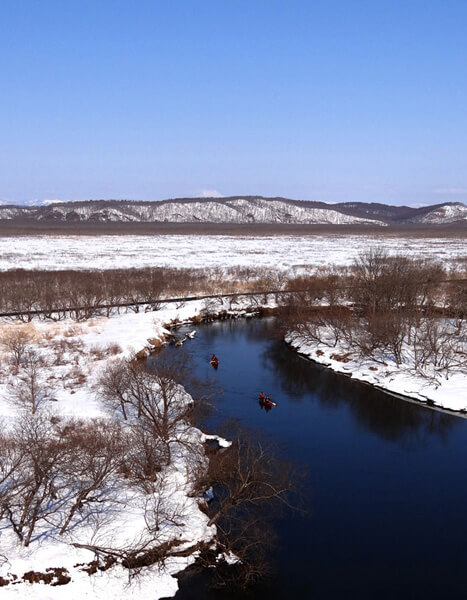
249	474
382	282
113	349
77	376
29	389
456	300
153	397
91	471
97	352
101	352
438	344
161	511
114	386
211	307
63	349
51	472
35	489
16	340
144	458
11	461
73	331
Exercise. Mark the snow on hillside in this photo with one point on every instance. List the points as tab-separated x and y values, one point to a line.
251	211
286	253
449	213
234	210
238	210
11	212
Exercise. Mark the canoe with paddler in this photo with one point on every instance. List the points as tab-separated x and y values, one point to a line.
266	402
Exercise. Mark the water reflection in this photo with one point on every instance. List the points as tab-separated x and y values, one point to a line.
407	424
391	418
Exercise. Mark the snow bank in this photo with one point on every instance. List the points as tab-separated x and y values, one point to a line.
450	394
86	347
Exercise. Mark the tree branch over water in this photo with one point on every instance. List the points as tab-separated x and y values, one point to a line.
251	485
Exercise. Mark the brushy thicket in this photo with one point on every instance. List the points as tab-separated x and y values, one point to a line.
407	310
84	294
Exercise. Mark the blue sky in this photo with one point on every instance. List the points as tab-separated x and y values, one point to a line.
333	100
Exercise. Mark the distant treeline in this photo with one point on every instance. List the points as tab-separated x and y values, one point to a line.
84	294
376	284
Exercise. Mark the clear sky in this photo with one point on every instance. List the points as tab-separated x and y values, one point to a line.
325	100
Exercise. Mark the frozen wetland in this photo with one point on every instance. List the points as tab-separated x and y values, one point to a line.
289	253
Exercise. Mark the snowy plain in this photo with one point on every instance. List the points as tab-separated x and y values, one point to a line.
288	253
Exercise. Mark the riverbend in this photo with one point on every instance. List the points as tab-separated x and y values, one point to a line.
385	488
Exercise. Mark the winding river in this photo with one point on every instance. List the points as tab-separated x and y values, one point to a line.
386	489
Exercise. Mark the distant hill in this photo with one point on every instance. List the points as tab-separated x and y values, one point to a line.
234	210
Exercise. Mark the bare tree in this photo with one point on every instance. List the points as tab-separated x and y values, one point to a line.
439	346
29	389
11	462
93	468
250	485
52	472
144	458
152	397
457	302
114	386
38	487
249	474
16	340
163	408
382	282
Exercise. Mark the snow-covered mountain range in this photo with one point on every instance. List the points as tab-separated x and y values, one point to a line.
235	210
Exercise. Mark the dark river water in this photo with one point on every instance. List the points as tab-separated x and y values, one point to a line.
386	486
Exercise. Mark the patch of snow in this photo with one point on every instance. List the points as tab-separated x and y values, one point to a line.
223	443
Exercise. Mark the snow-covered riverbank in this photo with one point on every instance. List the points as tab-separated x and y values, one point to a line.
74	355
449	393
